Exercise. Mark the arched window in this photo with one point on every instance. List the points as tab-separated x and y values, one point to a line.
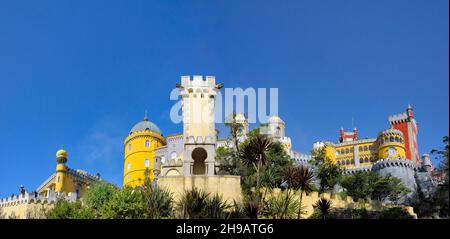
129	166
366	160
347	151
360	148
366	148
147	143
391	139
147	163
129	147
347	162
278	131
361	160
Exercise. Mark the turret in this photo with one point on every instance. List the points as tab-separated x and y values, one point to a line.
410	112
391	144
61	170
427	165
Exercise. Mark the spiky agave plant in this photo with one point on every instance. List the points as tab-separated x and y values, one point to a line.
323	206
192	204
216	207
251	209
159	200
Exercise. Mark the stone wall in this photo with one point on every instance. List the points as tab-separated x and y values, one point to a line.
226	185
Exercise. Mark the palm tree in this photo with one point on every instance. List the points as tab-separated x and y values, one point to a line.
304	179
255	153
323	206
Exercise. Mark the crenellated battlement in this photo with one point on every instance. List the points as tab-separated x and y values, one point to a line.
32	197
398	118
392	163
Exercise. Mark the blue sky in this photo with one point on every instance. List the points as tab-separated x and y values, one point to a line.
80	74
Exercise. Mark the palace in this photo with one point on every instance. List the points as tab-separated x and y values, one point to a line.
394	151
185	160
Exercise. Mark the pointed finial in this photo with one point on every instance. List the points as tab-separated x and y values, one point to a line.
145	116
409	106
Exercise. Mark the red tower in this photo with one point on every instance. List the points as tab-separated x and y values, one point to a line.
406	123
348	136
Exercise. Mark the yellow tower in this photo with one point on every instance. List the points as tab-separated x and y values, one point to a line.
391	144
139	152
61	170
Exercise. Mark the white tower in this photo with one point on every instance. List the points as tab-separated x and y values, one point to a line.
198	99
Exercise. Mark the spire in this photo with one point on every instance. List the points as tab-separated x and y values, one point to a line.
145	116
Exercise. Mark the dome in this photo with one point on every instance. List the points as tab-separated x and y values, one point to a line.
240	117
61	153
145	125
275	119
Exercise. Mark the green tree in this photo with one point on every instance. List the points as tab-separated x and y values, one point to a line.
364	185
97	196
327	172
358	185
388	187
68	210
127	203
255	154
236	129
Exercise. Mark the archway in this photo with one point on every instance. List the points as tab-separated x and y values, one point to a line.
199	156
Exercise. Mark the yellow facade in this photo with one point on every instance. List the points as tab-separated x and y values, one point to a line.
389	144
65	179
139	150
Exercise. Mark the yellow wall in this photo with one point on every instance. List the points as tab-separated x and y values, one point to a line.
308	202
399	148
226	185
25	210
136	157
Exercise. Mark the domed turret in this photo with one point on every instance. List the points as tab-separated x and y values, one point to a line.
145	125
61	156
139	152
61	170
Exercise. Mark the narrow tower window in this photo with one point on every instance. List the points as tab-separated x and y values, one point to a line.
129	147
129	166
147	163
147	143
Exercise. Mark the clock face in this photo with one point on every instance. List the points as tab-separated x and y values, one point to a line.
391	151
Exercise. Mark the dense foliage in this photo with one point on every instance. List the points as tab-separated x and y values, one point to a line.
370	185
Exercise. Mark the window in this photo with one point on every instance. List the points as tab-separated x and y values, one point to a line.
347	151
147	163
360	148
366	160
147	143
128	177
366	148
129	166
129	147
278	131
173	155
58	179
